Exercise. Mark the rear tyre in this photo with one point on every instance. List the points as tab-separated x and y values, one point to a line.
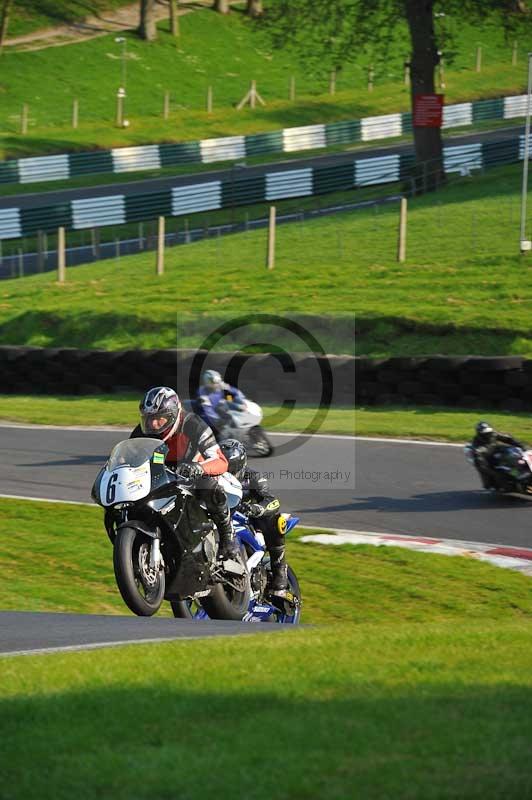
185	609
142	588
292	614
224	602
261	447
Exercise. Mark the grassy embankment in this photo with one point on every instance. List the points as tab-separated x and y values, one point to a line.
421	689
462	289
90	71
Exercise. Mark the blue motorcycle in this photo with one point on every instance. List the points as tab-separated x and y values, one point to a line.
261	607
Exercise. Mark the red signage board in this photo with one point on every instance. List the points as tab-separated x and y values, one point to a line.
428	110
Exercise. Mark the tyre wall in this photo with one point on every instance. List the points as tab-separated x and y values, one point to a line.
465	381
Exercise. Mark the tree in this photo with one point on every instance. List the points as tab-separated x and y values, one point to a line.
328	38
222	6
254	8
4	20
174	18
147	27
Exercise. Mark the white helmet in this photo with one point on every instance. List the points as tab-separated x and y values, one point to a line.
160	412
211	380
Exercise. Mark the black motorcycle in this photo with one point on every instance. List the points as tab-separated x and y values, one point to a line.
165	545
510	468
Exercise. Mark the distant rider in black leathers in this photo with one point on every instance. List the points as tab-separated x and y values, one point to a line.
484	444
262	507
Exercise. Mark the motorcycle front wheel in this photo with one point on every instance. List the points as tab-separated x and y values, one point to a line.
259	444
142	587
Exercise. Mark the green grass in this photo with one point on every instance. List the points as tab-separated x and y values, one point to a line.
420	691
445	424
67	567
461	290
90	71
372	712
123	410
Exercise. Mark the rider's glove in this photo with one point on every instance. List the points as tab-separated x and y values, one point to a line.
255	510
192	471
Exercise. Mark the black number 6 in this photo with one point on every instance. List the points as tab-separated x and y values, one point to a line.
111	489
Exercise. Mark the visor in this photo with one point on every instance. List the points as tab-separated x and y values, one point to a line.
156	424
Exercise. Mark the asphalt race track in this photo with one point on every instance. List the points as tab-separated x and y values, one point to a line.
36	199
381	486
25	633
332	482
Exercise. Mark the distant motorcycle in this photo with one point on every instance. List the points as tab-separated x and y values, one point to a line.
239	421
165	546
511	468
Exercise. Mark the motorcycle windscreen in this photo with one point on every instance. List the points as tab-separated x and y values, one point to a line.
125	484
135	452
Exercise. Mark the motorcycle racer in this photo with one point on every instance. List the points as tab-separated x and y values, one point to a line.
484	444
262	508
213	397
193	453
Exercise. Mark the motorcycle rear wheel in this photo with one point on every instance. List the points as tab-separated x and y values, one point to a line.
293	587
141	588
185	609
224	602
261	447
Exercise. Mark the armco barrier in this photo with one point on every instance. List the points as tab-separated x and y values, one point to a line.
461	381
245	189
231	148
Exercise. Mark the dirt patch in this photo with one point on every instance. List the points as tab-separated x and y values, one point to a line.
121	19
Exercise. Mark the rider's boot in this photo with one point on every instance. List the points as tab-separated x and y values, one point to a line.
228	544
279	583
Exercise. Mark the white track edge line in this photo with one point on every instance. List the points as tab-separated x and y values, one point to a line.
46	500
345	437
42	651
